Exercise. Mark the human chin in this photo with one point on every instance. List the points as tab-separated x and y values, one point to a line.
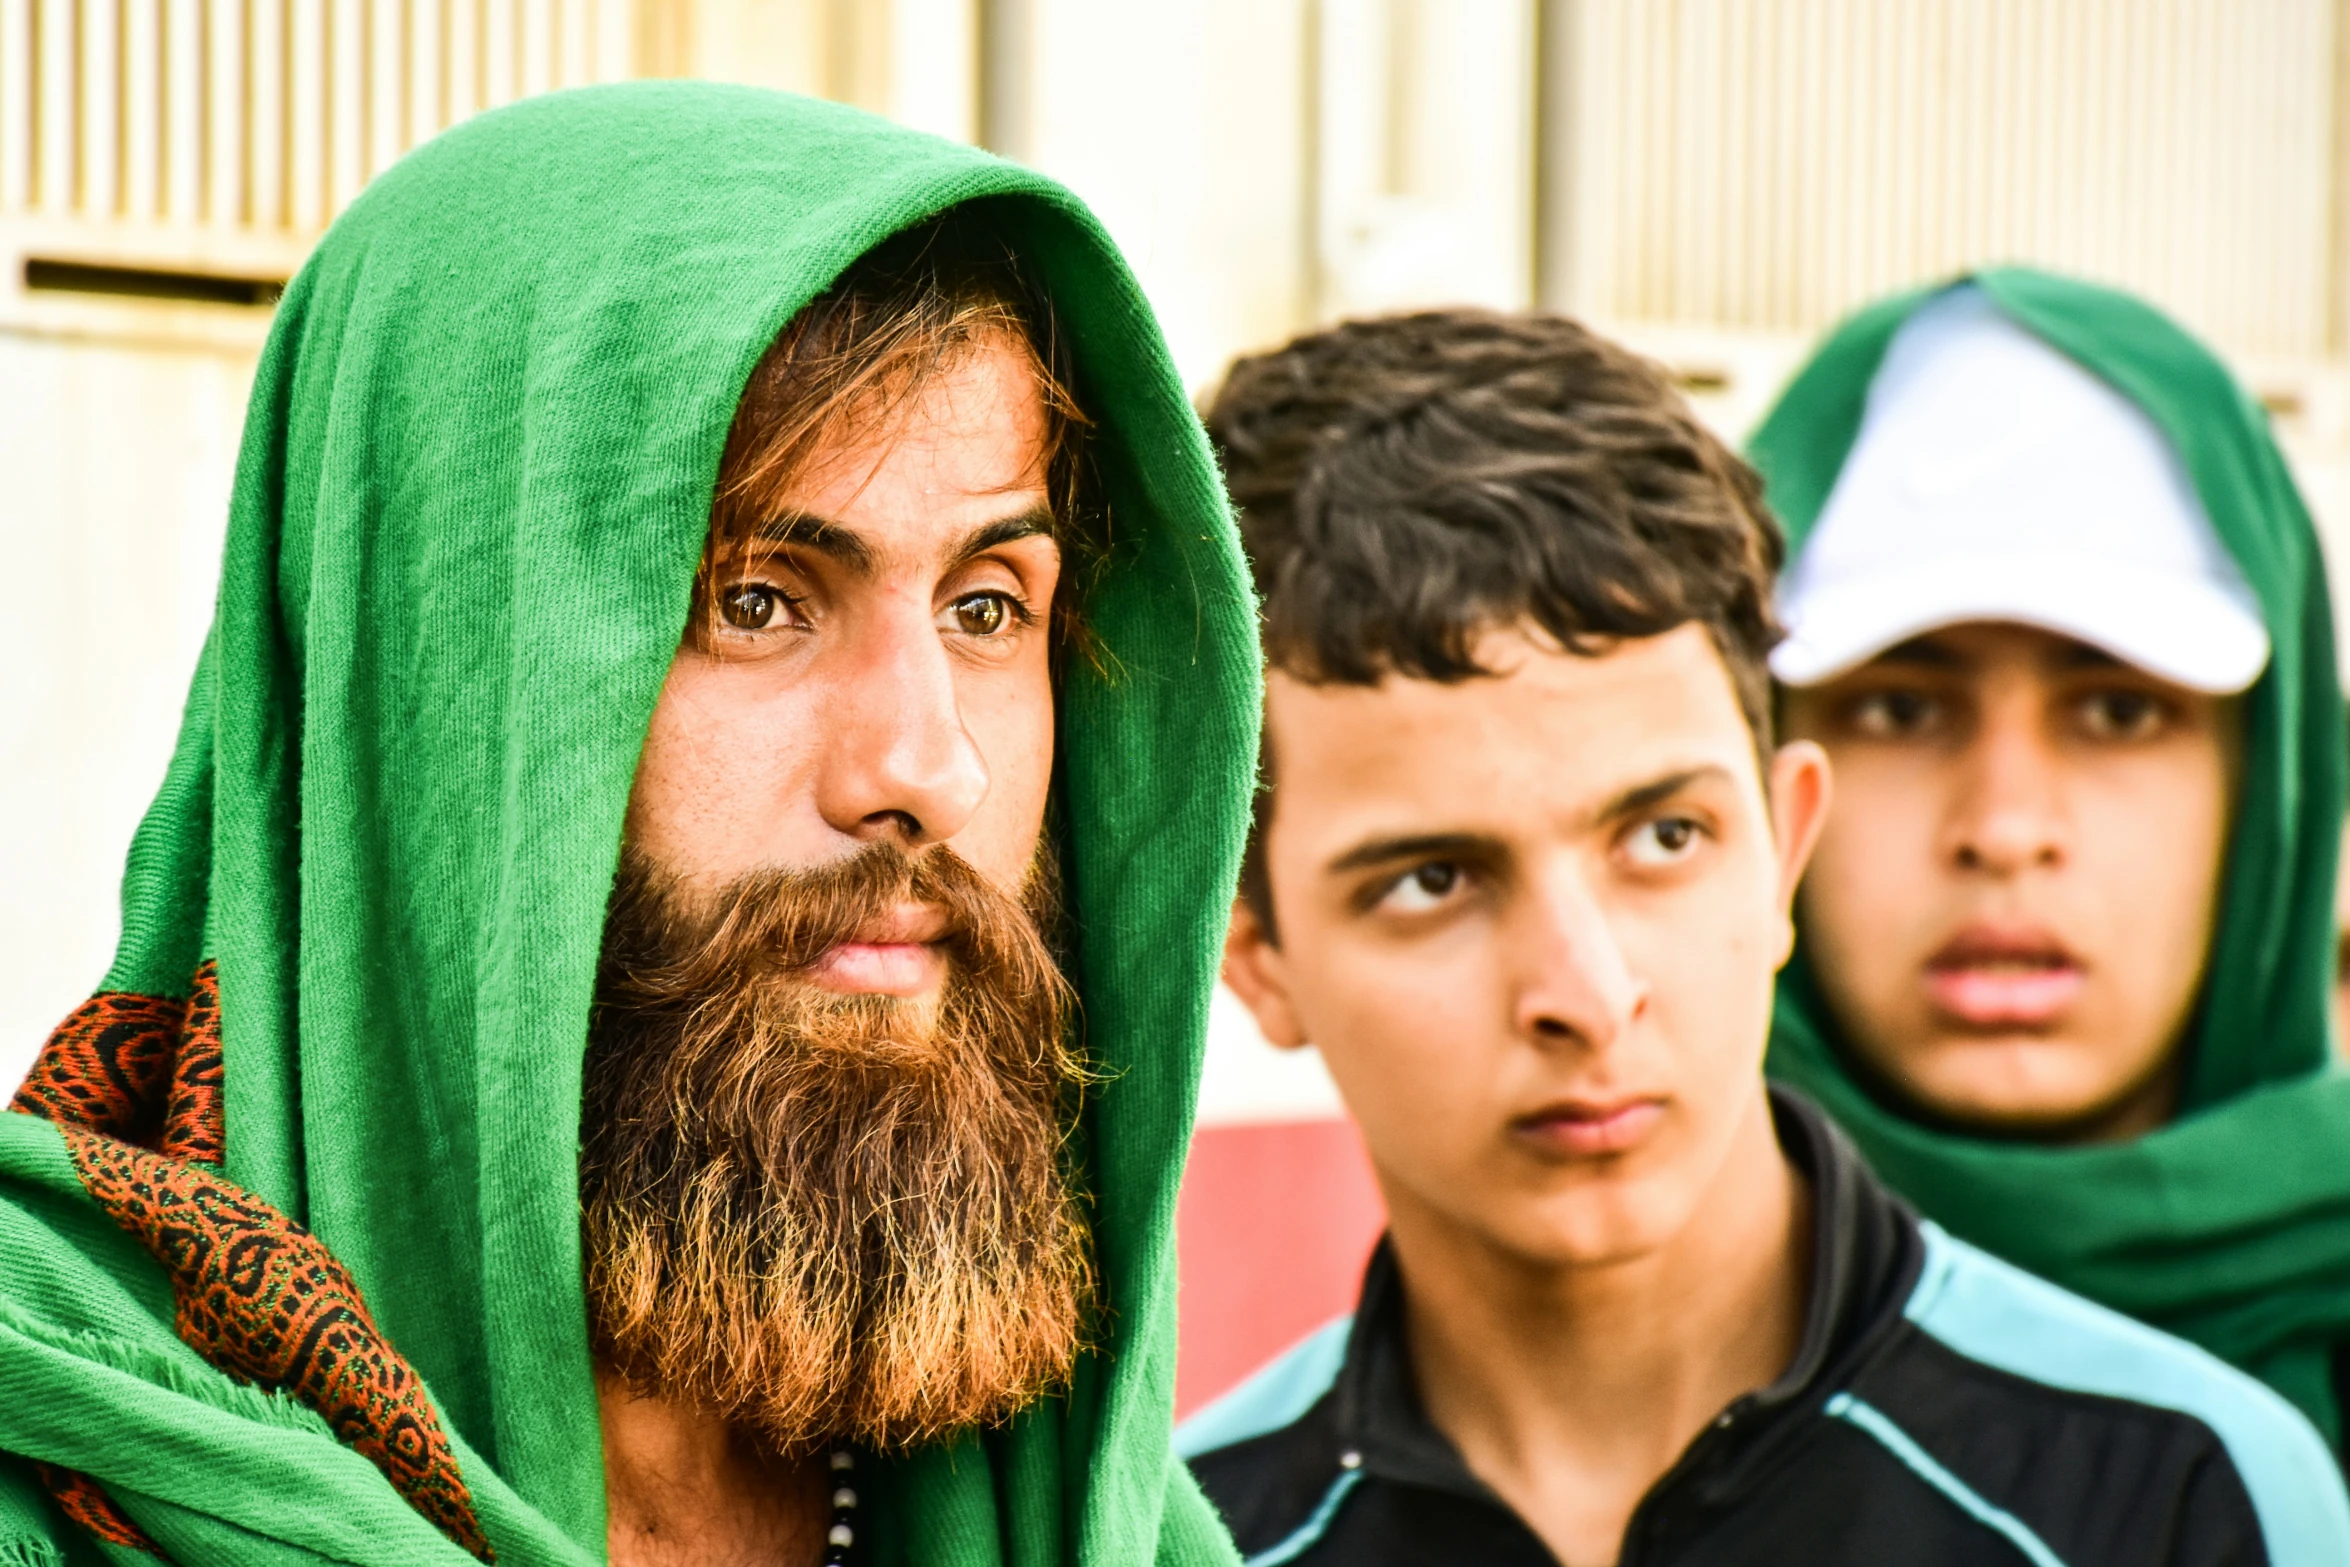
1609	1212
2014	1081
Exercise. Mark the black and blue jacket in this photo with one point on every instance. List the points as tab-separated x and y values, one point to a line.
1943	1408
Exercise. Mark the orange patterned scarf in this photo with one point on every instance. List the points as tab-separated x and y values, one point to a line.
134	1084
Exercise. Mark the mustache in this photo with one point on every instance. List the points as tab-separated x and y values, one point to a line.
664	944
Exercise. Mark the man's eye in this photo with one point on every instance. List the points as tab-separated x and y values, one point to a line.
983	614
1666	841
1895	715
1423	887
2122	715
750	606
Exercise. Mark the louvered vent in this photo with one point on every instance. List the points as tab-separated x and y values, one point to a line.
261	116
1769	164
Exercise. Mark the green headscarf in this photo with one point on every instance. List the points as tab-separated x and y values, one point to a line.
2230	1226
475	484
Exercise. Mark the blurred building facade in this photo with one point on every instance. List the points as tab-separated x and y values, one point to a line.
1716	180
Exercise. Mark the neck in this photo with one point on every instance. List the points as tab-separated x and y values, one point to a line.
1572	1388
682	1486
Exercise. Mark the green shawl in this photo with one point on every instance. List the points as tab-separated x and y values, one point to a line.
475	482
2231	1226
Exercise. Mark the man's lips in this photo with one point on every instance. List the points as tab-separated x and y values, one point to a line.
1590	1127
2004	977
896	955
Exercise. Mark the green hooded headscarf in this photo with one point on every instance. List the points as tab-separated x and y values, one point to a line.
2231	1225
361	921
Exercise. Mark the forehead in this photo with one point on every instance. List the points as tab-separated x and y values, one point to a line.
902	472
1535	748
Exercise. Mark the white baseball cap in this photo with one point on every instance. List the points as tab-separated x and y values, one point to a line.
1995	479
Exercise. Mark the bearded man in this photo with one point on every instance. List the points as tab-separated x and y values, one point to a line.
660	996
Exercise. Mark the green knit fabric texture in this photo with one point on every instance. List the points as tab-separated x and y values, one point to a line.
475	484
2231	1225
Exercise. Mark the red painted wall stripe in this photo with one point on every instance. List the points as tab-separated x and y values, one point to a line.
1272	1230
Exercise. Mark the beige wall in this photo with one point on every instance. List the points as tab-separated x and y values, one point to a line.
117	457
1714	178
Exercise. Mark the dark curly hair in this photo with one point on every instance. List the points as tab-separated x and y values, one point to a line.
1409	483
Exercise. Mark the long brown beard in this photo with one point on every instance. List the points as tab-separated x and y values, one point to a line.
830	1216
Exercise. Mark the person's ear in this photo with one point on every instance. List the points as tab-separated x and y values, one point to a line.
1254	968
1800	790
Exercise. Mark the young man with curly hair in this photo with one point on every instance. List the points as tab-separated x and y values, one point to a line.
1522	870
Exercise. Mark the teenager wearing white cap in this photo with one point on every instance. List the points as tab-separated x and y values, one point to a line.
2056	613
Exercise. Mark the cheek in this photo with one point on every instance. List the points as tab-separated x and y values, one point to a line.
1710	957
1010	716
714	769
1882	811
1409	1031
2155	846
1872	877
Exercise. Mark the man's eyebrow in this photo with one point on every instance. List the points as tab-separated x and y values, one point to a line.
1027	525
850	548
1647	796
1421	846
1374	852
823	536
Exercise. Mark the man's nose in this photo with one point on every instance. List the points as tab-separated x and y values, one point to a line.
898	761
2008	815
1577	983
